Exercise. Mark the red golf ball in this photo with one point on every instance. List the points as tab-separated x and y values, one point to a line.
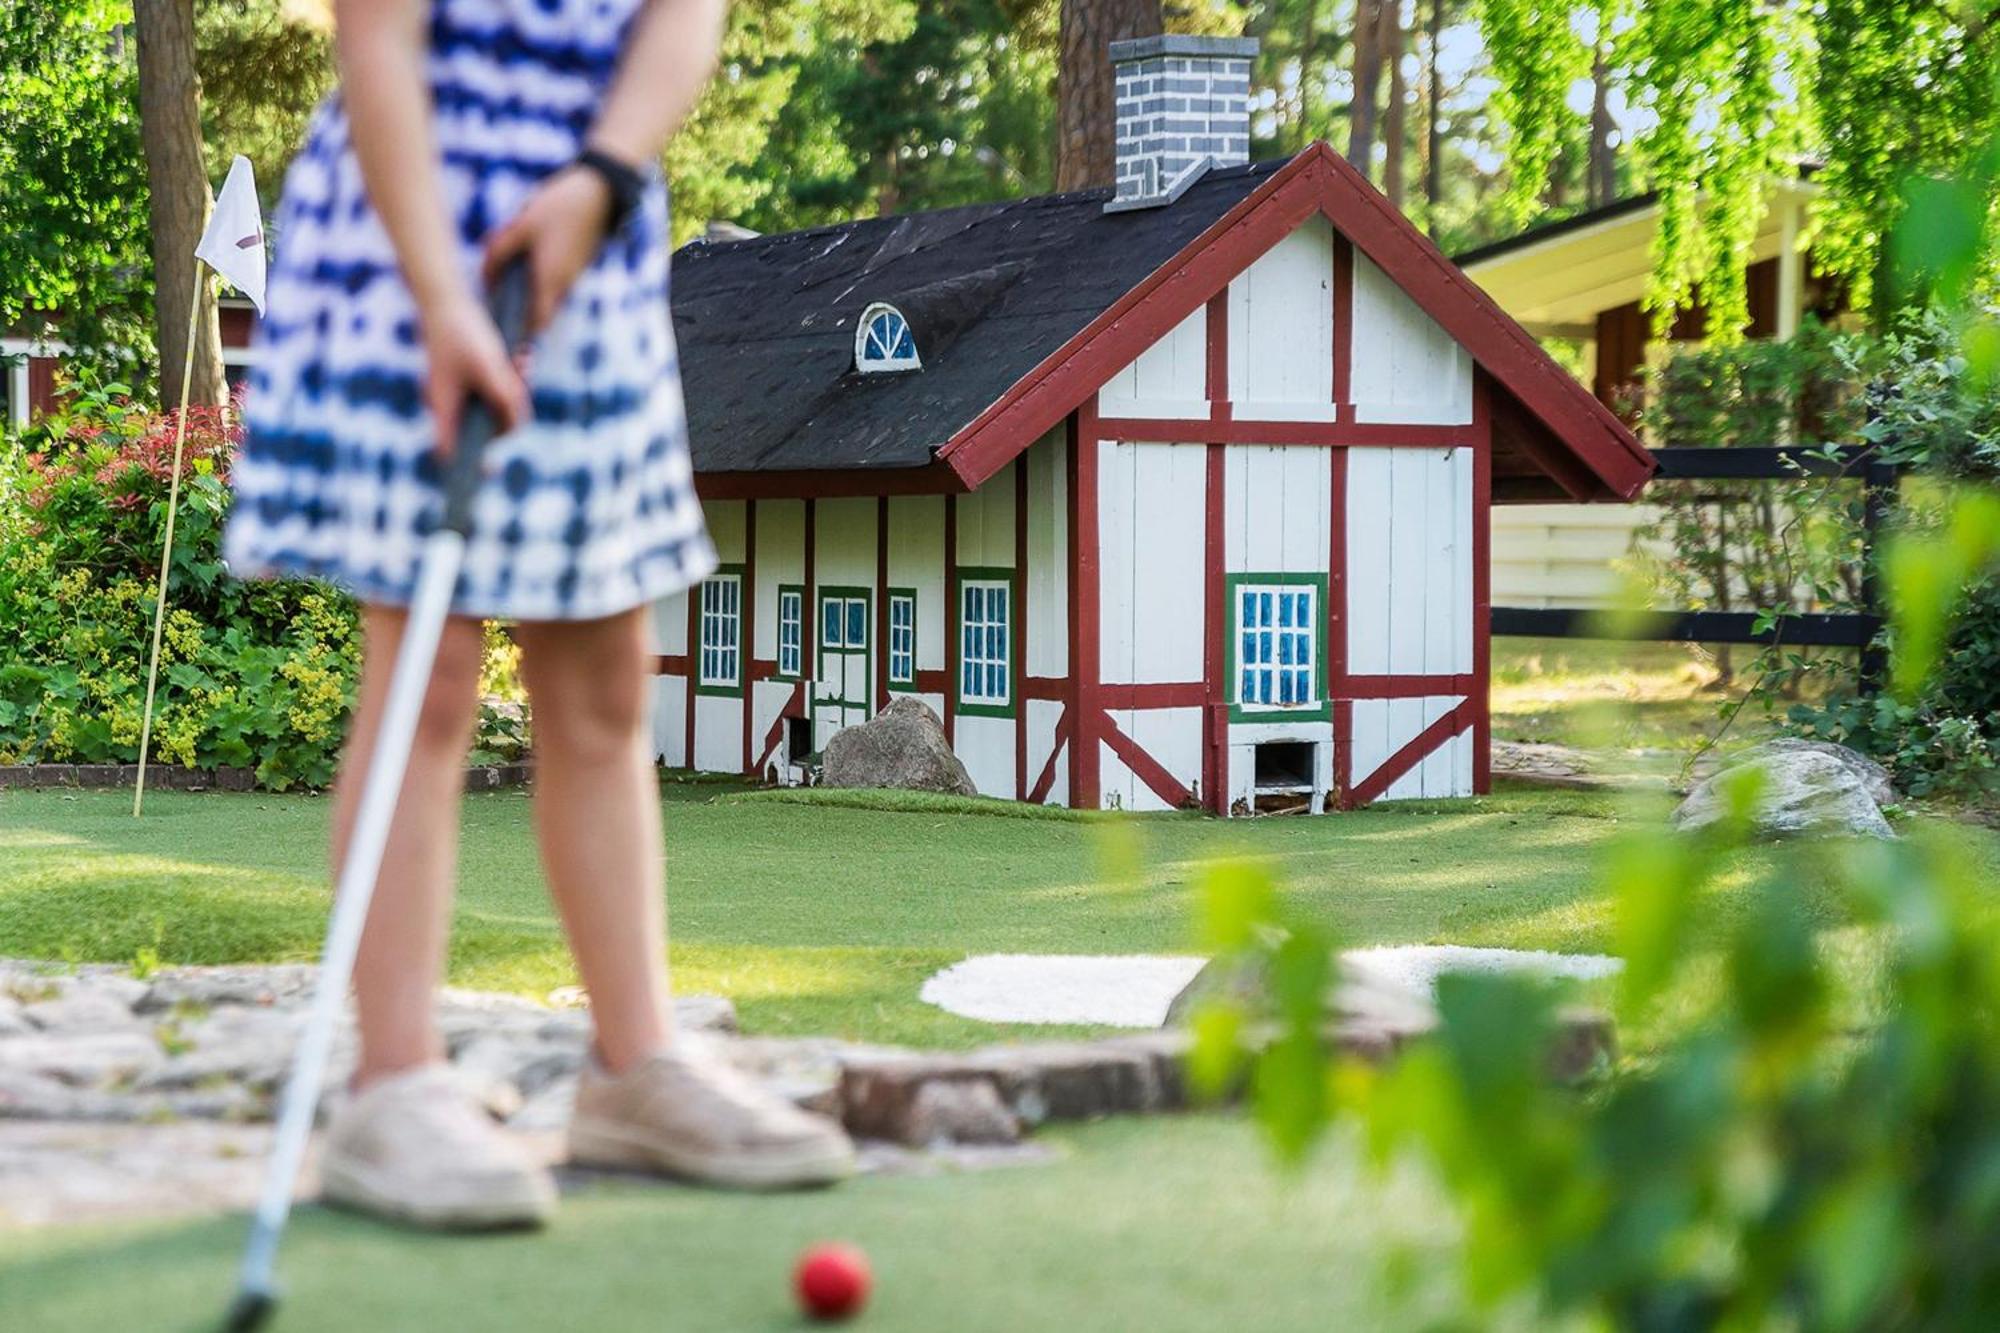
832	1281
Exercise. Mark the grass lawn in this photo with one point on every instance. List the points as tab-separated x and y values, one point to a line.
1166	1224
813	914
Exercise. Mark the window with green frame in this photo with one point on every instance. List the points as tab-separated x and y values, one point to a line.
902	638
1277	647
791	631
986	605
719	626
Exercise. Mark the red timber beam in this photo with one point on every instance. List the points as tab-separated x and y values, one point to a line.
1325	434
794	707
1019	648
1482	584
882	603
828	483
1144	767
809	618
1214	652
1336	519
746	643
694	660
1085	614
951	620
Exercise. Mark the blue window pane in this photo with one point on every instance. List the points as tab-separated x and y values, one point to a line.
996	641
1284	650
857	623
830	624
996	682
1285	612
1285	687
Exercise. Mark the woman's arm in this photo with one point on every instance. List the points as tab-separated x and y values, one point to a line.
379	46
666	63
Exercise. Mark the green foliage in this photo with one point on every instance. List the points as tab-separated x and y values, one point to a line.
253	675
1811	1146
73	240
1536	57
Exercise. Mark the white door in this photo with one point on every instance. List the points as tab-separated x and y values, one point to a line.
842	690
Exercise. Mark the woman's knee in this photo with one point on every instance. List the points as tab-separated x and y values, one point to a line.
589	688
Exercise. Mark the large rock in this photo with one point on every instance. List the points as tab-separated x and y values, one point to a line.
1806	790
901	746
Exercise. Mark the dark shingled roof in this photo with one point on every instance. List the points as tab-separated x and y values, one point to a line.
766	325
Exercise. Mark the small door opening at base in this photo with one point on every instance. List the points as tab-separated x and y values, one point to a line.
798	739
1284	777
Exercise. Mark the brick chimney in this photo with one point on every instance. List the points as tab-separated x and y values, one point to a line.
1183	106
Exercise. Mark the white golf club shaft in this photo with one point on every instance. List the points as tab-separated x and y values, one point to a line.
437	576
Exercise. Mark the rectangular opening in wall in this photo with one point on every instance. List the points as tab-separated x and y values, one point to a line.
1284	776
798	738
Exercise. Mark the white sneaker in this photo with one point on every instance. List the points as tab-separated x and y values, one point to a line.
415	1148
683	1113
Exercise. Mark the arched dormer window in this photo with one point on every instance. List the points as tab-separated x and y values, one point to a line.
883	341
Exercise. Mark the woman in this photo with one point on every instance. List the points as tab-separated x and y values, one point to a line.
467	132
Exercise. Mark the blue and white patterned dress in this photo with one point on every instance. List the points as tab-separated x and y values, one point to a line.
588	511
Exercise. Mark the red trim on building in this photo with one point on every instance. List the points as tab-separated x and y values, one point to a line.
950	620
1048	688
1343	327
1215	710
1407	758
1085	600
1045	782
1336	578
1155	694
670	664
1334	434
1482	585
828	483
881	603
1020	644
1400	687
693	657
930	681
1317	180
1144	767
809	616
747	643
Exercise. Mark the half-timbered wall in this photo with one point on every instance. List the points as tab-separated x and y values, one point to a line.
1308	439
850	558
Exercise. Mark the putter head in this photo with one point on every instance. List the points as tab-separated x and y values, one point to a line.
250	1310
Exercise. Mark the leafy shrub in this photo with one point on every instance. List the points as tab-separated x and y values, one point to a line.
1813	1142
255	674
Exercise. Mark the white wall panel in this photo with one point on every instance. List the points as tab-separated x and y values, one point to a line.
986	522
670	721
986	745
718	733
1405	368
1117	548
844	532
1281	329
1172	736
725	529
769	698
781	558
916	560
670	624
1048	555
1169	379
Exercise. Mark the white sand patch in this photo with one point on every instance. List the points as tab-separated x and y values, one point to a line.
1126	991
1417	967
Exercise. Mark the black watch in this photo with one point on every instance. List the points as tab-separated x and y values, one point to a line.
624	181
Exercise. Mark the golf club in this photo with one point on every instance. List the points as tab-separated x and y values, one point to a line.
437	575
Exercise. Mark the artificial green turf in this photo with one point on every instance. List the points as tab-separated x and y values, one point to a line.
816	916
1164	1224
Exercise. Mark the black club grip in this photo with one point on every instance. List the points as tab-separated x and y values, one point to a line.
477	425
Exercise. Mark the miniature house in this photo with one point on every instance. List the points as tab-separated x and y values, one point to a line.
1175	494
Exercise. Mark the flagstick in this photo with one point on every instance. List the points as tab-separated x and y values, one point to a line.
167	550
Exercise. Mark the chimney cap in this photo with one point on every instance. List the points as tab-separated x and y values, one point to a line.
1180	44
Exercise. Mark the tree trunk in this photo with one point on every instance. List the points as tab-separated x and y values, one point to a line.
1433	120
1395	121
1603	167
1086	106
178	198
1367	78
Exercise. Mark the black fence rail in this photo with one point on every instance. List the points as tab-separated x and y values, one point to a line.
1805	629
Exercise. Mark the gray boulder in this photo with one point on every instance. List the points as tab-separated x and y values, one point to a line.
1806	790
901	746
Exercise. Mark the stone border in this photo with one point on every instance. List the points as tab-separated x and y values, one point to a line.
162	777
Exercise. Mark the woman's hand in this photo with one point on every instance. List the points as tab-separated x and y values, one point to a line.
466	356
559	229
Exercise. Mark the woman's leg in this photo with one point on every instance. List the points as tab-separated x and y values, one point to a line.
597	803
396	973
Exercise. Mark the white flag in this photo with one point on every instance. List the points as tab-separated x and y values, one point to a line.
233	245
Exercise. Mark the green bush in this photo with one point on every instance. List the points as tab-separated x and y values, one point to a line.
253	674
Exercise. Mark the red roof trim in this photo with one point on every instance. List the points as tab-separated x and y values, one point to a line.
1316	181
